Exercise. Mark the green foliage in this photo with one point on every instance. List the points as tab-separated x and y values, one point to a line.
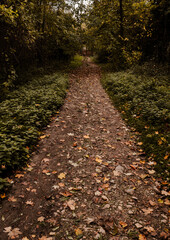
76	62
23	114
34	33
144	102
111	30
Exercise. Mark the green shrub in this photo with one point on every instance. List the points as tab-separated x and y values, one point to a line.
145	102
24	112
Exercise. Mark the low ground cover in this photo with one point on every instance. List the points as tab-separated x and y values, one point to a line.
142	96
23	114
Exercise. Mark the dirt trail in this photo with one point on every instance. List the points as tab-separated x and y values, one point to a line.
87	180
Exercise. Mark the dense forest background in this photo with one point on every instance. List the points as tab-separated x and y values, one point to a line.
35	32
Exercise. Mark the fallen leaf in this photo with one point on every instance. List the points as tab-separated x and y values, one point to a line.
14	233
163	192
66	194
150	229
147	211
98	160
61	175
12	199
19	175
29	203
71	204
61	184
89	220
151	171
75	144
7	229
142	237
123	224
41	219
134	167
152	203
25	238
3	195
160	200
140	143
78	232
86	136
167	202
43	136
46	160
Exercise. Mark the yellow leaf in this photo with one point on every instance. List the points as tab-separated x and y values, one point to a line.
42	137
98	160
159	141
61	175
166	157
160	200
19	175
142	237
140	143
78	232
3	195
123	224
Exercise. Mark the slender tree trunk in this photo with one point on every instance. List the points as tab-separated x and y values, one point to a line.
121	18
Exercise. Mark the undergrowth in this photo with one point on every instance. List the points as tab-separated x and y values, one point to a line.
143	100
23	114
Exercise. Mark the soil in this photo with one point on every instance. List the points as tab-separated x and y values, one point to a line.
87	179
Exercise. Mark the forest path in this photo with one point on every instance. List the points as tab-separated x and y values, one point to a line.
87	179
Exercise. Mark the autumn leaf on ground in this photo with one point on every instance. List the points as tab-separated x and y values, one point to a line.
147	211
142	237
45	160
71	204
43	136
41	219
65	194
86	136
150	229
19	175
98	160
12	199
3	196
163	192
123	224
29	203
12	233
25	238
61	175
7	229
167	202
78	232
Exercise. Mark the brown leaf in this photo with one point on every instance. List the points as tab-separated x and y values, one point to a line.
147	211
123	224
12	199
14	233
65	194
71	204
61	175
29	203
41	219
78	232
19	175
